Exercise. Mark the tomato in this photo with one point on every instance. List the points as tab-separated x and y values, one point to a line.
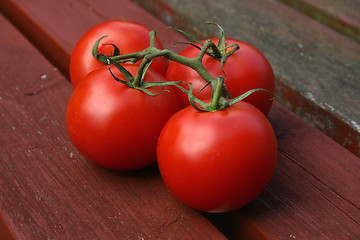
128	36
116	126
217	161
245	69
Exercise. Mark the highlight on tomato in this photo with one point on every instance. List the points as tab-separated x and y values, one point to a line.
117	126
218	159
216	155
241	64
122	37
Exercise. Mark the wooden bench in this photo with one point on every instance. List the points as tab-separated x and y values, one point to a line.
50	191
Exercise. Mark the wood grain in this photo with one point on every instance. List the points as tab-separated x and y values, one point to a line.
48	189
316	68
306	199
56	32
341	15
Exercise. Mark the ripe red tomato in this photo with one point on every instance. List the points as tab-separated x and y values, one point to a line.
245	69
116	126
128	36
217	161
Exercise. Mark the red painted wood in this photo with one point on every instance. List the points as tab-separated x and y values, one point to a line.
48	190
305	200
55	32
314	193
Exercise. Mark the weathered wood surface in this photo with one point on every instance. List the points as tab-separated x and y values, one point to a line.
341	15
55	32
50	191
317	69
313	195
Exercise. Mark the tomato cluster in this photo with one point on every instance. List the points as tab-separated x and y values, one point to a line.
201	118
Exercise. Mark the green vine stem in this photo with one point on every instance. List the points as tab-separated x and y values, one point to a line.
217	101
221	97
138	82
221	52
152	52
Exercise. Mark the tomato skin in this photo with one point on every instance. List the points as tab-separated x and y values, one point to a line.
246	69
217	161
129	36
115	126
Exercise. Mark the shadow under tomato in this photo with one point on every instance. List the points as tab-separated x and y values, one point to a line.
276	199
142	174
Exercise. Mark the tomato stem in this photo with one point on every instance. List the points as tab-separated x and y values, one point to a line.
219	92
152	52
220	51
144	66
137	81
217	102
152	35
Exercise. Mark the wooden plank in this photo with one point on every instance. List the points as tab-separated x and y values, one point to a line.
341	15
48	189
55	32
306	198
316	68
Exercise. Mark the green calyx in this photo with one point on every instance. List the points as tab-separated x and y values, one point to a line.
137	82
221	97
220	51
101	57
150	53
218	101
